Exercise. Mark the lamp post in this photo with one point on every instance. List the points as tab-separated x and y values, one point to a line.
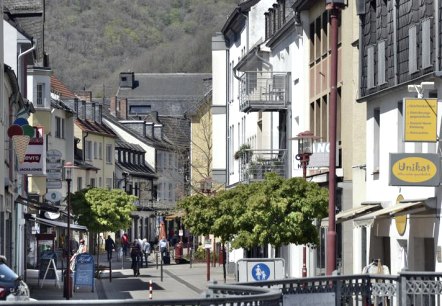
206	188
305	149
67	281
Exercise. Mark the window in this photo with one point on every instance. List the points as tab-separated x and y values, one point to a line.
109	153
59	127
100	182
88	150
40	94
92	185
381	62
426	43
79	183
95	150
412	50
139	109
109	183
100	151
370	67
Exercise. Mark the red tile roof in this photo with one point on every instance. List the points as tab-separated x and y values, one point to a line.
58	88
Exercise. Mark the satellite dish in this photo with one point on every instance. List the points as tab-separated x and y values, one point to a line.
52	215
53	196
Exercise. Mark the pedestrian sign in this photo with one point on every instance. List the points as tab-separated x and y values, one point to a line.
260	272
260	269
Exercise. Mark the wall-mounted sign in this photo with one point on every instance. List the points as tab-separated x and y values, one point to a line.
401	220
53	196
420	120
321	155
35	157
414	169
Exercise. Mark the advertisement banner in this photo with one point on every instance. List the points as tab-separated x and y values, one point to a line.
35	157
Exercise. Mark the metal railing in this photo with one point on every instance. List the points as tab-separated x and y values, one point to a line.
264	91
256	163
407	288
215	295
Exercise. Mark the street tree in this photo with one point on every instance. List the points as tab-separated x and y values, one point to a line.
102	209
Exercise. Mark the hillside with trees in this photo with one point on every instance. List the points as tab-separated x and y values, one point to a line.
90	41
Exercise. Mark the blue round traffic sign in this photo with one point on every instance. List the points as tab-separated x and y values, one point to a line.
260	272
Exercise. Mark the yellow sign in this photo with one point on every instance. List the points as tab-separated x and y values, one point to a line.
414	169
420	120
401	221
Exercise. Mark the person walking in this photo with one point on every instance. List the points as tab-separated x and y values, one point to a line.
125	243
164	250
135	254
146	250
109	246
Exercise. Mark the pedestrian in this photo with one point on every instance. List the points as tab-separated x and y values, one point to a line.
109	246
135	254
125	243
82	248
74	246
146	250
164	250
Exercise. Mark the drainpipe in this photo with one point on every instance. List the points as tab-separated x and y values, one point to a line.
19	221
84	146
19	66
436	37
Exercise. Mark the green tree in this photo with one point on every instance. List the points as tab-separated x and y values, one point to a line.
276	211
101	209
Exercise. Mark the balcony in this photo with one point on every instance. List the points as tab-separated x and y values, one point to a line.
256	163
264	91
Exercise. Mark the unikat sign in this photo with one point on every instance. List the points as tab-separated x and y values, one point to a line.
414	169
420	120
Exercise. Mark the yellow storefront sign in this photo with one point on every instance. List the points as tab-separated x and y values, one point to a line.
420	120
414	169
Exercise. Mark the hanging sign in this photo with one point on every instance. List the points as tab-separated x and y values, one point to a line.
414	169
420	120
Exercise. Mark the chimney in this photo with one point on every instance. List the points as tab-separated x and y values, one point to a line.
90	111
99	113
127	80
76	106
158	131
85	95
83	110
123	109
148	130
113	106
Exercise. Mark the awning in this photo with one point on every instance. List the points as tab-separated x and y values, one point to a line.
178	214
352	213
391	211
36	205
59	224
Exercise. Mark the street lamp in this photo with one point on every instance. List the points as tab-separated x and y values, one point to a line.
67	281
305	149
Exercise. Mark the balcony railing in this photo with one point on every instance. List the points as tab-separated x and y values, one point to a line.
256	163
264	91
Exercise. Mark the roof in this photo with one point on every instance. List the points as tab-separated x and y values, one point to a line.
237	15
58	88
136	170
130	146
94	127
58	104
168	86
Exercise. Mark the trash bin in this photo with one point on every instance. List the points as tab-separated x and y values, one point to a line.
179	252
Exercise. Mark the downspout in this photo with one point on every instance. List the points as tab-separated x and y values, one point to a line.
19	66
395	28
19	266
84	146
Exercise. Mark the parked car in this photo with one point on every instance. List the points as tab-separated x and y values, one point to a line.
11	284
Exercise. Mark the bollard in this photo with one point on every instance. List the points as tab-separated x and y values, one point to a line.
150	289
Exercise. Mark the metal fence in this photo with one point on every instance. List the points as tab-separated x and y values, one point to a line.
215	295
407	288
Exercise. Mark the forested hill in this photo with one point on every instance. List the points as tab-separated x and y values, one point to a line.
90	41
